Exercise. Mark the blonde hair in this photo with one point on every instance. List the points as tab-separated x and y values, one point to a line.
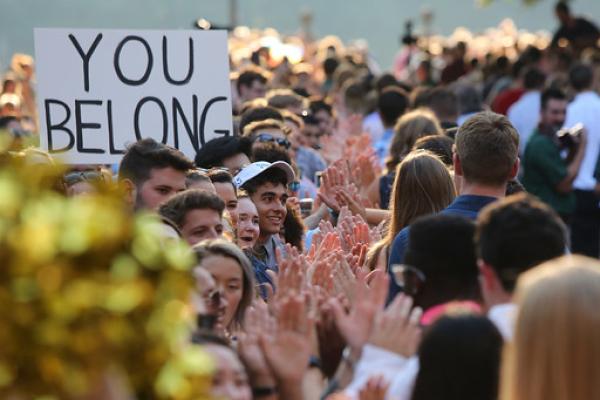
556	350
252	128
410	127
285	98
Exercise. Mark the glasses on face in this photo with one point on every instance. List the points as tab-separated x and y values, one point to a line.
268	138
294	186
74	177
408	278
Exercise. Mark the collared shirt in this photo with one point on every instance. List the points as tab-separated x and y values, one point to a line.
585	108
260	274
465	205
525	115
382	146
265	252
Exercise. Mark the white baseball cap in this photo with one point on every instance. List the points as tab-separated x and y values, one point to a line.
257	168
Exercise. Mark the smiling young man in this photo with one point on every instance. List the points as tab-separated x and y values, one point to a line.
267	186
197	213
153	173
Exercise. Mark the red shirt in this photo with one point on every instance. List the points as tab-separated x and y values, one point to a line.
505	99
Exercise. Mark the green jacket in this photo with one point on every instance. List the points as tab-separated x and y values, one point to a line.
544	168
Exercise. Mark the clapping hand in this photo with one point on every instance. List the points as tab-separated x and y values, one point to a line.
397	328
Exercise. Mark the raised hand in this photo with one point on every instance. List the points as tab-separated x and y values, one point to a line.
344	281
294	204
364	172
356	326
397	328
343	197
288	350
329	244
291	279
332	179
375	389
258	322
321	275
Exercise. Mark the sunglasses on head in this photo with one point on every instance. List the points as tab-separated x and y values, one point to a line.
268	138
74	177
213	169
408	278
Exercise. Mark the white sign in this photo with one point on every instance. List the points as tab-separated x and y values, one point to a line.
100	90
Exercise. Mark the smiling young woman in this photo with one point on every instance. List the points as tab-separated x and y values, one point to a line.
234	279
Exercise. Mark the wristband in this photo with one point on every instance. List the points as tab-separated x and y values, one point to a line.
264	391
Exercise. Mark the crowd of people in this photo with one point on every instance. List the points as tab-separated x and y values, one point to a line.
429	233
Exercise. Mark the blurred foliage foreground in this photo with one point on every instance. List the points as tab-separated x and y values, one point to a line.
92	298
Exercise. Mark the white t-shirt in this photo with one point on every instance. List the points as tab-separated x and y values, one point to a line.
585	108
525	115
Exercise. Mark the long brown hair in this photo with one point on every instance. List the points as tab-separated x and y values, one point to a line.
410	127
423	186
555	353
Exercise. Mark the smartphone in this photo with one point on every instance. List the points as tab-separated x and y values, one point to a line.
306	206
319	175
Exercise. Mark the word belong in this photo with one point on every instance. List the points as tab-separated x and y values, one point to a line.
110	88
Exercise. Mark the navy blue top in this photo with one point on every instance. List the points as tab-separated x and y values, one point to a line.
386	182
466	205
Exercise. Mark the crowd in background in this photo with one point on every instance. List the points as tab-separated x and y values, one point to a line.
431	232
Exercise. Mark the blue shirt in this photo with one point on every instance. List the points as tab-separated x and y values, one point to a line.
266	252
386	183
382	146
466	205
309	162
260	274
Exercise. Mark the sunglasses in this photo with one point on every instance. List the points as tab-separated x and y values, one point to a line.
213	169
294	186
408	278
82	176
268	138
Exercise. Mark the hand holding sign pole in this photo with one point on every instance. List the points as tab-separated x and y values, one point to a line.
100	90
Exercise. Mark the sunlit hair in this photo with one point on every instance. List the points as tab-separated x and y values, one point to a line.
255	127
408	129
223	248
555	354
285	99
423	186
487	146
